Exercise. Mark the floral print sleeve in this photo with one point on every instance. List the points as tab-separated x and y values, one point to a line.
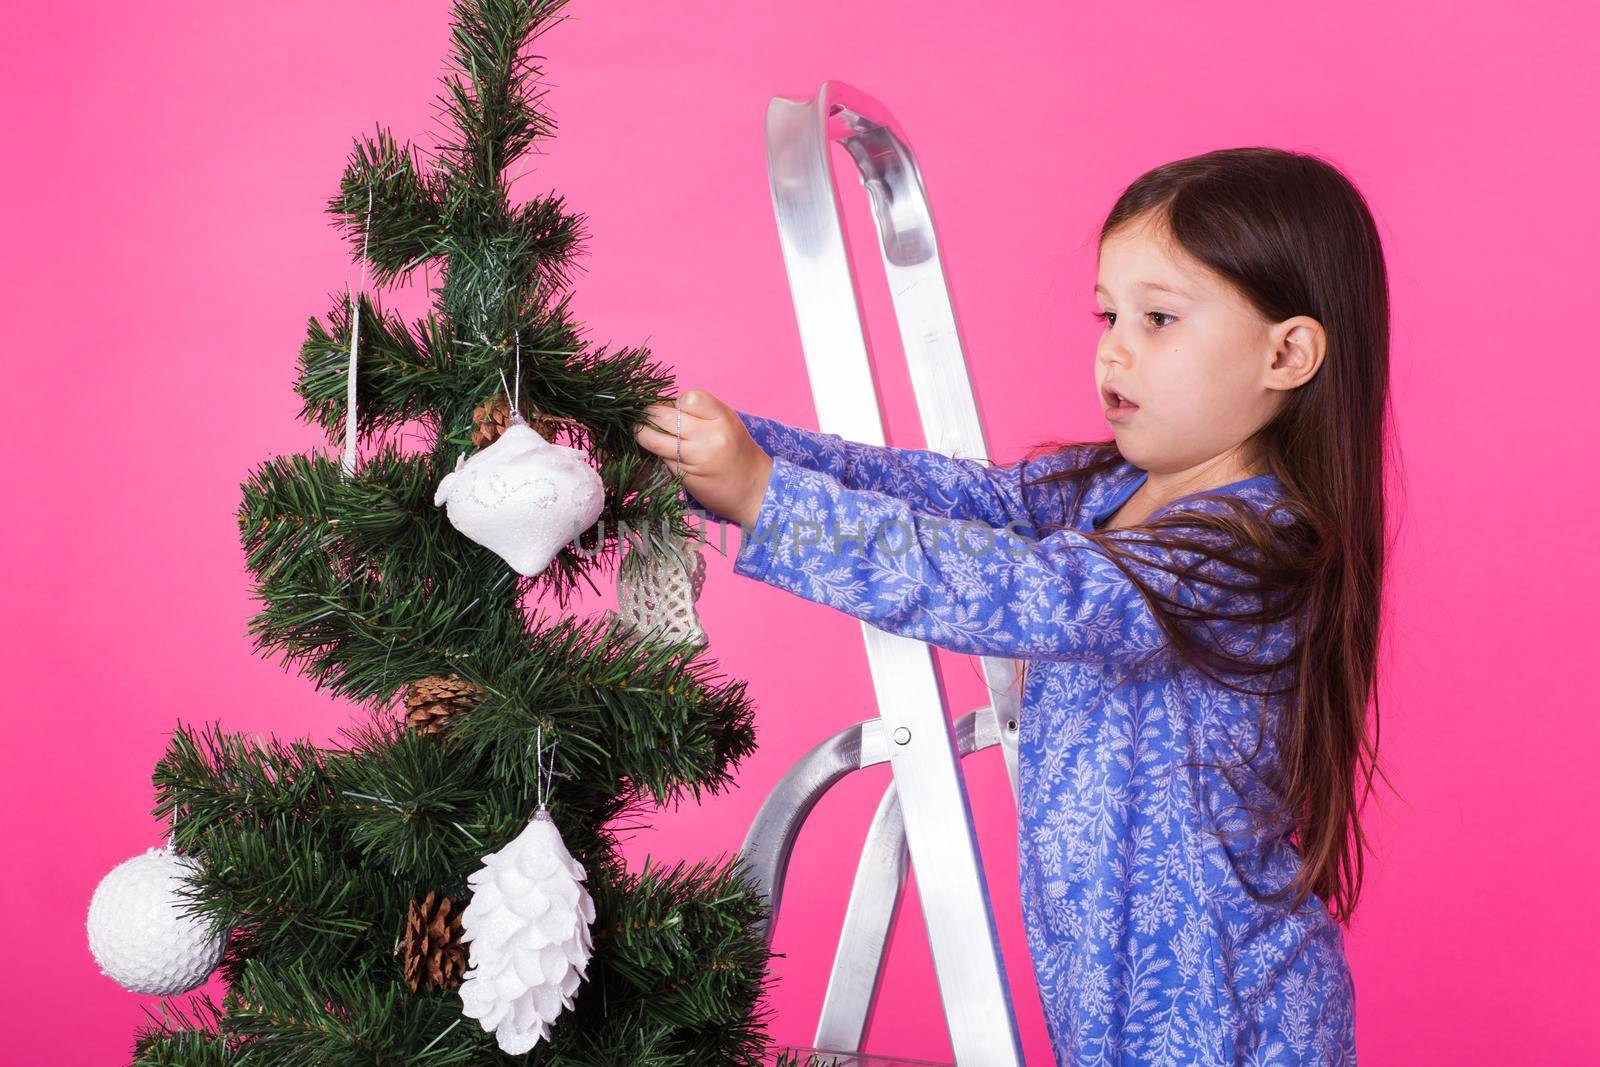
963	585
928	480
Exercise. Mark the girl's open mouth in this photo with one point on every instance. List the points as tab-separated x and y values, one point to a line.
1118	406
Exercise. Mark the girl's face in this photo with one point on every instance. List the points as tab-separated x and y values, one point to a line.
1203	367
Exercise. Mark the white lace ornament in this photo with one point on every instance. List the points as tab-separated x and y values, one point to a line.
140	930
528	938
522	497
660	589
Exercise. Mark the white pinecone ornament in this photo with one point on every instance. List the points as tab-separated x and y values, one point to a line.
140	932
527	932
659	589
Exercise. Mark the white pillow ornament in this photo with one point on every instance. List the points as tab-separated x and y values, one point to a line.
140	930
522	497
528	938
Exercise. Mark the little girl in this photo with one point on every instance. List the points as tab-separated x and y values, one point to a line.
1195	602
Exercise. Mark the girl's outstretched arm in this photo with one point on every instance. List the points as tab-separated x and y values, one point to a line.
969	587
927	480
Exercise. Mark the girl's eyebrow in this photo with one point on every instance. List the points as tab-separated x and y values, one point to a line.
1151	285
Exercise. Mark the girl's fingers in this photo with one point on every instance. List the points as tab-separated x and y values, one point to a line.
693	404
662	414
659	419
699	403
662	444
657	432
668	446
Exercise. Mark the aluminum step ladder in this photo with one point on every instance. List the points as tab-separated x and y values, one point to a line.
924	821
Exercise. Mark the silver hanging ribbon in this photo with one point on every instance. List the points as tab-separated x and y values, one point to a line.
348	463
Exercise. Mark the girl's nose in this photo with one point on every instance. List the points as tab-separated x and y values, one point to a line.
1111	353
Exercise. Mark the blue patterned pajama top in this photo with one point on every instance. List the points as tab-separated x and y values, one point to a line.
1146	947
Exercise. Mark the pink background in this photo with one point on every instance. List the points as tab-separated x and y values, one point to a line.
167	166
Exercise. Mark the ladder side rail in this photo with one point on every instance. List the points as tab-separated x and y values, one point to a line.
930	331
850	1000
935	807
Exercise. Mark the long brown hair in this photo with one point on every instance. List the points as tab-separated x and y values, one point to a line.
1292	233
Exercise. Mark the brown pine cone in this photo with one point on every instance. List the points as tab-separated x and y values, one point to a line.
433	701
490	419
432	952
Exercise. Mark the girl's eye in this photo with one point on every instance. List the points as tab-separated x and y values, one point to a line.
1110	317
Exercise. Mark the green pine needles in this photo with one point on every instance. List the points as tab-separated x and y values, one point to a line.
311	855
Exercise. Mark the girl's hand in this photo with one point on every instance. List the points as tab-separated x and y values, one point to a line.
722	466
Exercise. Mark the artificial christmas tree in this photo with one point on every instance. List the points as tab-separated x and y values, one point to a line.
345	877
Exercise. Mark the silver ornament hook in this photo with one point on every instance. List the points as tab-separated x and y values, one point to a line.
538	765
543	774
514	395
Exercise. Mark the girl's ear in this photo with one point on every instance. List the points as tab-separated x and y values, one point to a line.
1298	347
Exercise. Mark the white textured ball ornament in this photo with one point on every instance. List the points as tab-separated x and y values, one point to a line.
140	933
527	932
522	497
